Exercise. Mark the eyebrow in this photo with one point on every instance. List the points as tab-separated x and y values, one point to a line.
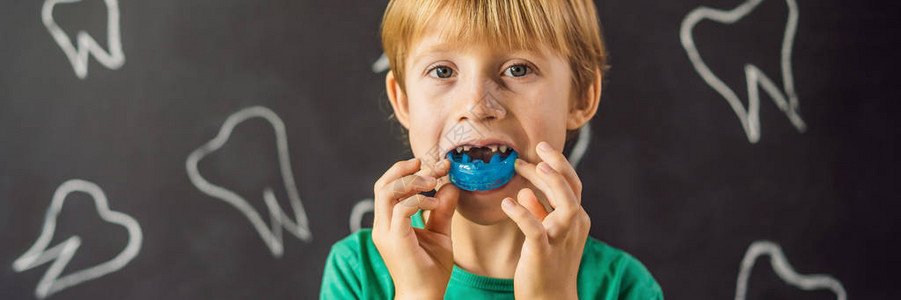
433	49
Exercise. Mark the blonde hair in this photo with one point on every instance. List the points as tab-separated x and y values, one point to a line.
569	27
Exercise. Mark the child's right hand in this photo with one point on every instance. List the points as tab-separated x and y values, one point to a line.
420	260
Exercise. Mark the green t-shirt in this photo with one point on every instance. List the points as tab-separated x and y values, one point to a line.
355	270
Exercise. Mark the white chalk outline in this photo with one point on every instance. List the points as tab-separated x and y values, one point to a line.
356	214
381	64
750	117
277	217
62	253
86	44
784	270
581	146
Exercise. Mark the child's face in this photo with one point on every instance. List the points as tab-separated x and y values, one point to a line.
472	94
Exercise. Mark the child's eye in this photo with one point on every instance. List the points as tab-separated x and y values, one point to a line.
442	72
518	70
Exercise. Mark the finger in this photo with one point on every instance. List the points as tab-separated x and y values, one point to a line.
399	169
442	181
440	217
382	206
560	190
407	186
401	188
555	158
529	172
553	185
437	169
527	199
527	223
400	218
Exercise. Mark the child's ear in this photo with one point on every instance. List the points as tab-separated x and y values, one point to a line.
584	109
398	99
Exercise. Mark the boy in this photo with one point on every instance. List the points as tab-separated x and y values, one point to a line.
476	77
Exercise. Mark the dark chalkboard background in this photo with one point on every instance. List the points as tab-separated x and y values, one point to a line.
670	174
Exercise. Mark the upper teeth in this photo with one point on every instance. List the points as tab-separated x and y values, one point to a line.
493	148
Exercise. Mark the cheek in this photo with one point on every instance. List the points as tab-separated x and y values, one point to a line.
543	115
426	122
547	106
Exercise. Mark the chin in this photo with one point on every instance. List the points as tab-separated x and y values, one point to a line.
484	207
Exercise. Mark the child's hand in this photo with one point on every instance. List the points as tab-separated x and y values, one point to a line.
420	260
549	261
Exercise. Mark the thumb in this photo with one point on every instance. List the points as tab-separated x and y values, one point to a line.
440	217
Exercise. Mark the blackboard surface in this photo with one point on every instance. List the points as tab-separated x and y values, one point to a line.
161	142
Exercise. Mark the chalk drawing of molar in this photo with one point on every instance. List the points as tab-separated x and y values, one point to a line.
78	55
785	98
359	210
272	236
62	253
381	64
784	270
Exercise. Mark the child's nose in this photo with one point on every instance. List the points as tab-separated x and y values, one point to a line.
483	105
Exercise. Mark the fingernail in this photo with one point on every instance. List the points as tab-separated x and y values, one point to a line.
507	202
546	168
544	146
517	162
440	164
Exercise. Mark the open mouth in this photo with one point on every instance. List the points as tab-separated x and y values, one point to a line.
481	168
486	154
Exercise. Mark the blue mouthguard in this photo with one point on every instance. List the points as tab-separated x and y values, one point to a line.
478	175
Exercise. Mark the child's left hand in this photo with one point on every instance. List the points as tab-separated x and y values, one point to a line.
550	257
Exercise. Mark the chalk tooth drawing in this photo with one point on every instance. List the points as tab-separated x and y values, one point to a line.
784	270
356	214
581	146
749	117
272	236
62	253
78	55
381	65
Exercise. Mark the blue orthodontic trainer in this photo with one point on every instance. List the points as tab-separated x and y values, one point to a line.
478	175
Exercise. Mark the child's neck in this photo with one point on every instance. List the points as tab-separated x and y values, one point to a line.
486	250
